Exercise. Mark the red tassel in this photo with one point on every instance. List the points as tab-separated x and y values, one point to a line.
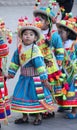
66	86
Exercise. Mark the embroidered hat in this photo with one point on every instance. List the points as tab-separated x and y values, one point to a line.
71	24
6	33
45	11
25	25
29	27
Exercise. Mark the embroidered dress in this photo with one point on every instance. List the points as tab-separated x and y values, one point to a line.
70	67
54	73
29	91
4	100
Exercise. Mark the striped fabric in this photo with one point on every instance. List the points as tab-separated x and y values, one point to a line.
30	106
4	101
5	109
29	71
39	88
4	50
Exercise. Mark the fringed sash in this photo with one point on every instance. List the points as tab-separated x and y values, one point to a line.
40	94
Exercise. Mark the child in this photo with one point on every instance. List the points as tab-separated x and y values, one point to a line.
31	94
68	31
4	100
46	43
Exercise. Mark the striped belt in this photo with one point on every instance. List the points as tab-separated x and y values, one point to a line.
29	71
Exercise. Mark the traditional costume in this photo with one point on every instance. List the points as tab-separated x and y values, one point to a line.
69	91
5	34
4	100
30	94
51	53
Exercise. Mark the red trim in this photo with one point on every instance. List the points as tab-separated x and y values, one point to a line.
67	102
39	91
3	46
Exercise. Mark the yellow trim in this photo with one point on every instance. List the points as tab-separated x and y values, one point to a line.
68	105
29	112
41	69
57	95
70	94
60	50
26	56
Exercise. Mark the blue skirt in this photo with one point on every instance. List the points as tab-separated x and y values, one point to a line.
25	99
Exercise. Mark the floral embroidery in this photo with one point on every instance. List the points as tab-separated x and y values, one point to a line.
23	57
45	51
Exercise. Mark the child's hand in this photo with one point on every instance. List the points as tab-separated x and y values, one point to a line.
59	62
47	84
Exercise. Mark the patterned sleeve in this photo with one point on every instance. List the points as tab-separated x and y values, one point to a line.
56	42
14	65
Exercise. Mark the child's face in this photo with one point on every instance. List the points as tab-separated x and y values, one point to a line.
63	34
44	22
28	37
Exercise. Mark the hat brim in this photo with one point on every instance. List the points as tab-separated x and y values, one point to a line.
60	24
37	30
35	12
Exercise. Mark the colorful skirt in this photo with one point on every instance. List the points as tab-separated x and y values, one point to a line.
30	97
5	110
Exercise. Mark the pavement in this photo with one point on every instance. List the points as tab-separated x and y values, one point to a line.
10	14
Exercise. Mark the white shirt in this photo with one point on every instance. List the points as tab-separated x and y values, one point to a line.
68	43
45	32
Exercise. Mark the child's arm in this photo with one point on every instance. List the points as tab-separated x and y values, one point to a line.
56	42
14	65
41	68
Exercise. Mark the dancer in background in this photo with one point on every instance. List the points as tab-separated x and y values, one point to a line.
5	110
51	47
68	32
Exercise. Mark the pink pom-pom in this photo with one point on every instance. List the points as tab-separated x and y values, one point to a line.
66	86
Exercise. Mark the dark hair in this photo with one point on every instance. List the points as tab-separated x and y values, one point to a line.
46	18
28	29
41	15
71	35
